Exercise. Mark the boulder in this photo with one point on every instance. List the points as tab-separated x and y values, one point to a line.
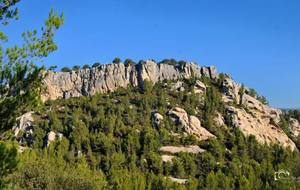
219	120
177	180
199	87
191	124
157	118
294	126
24	124
194	149
178	86
167	158
50	137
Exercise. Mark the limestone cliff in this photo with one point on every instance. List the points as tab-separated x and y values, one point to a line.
109	77
247	113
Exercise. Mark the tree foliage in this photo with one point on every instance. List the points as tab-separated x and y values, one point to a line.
20	77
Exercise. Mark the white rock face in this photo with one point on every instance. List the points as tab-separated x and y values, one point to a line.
295	126
256	119
24	124
199	87
176	149
177	180
157	118
178	86
191	124
219	120
51	137
167	158
258	123
109	77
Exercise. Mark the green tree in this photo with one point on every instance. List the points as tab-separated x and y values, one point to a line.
8	11
8	162
76	68
117	60
20	77
241	94
128	62
97	64
66	69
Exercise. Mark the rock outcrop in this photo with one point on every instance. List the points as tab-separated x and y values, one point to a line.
199	87
23	130
247	113
219	120
251	123
167	158
177	180
194	149
191	124
294	126
255	118
51	137
109	77
157	118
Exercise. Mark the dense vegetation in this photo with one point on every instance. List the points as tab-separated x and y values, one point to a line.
110	142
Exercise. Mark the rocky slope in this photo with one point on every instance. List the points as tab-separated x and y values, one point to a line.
251	116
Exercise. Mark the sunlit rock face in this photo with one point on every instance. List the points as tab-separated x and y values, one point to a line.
109	77
247	112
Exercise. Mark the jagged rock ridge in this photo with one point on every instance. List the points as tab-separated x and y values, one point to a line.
252	117
109	77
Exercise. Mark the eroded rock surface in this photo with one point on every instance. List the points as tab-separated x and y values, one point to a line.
294	126
191	124
177	180
199	87
23	130
261	121
176	149
167	158
109	77
157	118
51	137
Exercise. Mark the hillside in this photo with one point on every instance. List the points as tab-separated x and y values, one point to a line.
153	126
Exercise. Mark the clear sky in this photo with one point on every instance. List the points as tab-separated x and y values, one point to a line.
256	41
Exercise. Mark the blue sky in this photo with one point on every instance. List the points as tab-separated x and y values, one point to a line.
256	41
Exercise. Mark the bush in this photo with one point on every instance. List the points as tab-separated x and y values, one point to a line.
169	61
52	68
76	68
117	60
97	64
65	69
86	66
128	62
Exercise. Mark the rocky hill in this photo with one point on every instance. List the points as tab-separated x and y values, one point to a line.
169	125
247	112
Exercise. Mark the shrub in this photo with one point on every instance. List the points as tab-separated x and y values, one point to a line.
76	68
65	69
97	64
128	62
117	60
